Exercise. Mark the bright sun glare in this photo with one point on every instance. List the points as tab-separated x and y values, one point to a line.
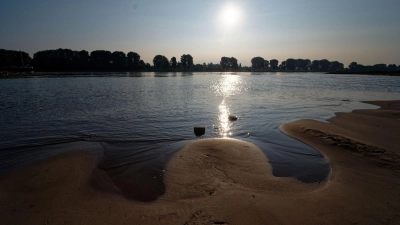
230	15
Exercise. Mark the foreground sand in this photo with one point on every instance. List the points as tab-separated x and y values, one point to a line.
225	181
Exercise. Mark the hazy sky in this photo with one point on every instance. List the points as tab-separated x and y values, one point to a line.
365	31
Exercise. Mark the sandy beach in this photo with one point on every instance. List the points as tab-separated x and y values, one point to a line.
227	181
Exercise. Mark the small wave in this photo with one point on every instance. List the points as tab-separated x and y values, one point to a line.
153	140
42	144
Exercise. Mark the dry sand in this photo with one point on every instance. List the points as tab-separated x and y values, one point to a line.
226	181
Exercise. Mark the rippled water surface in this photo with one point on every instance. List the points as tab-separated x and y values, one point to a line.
140	120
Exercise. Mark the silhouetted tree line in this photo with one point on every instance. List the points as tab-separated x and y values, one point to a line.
10	58
355	67
299	65
161	63
99	60
102	60
323	65
229	63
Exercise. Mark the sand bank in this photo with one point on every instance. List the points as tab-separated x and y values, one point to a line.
226	181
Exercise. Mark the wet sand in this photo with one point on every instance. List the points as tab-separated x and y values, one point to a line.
226	181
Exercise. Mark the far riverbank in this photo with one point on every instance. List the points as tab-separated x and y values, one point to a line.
26	74
374	73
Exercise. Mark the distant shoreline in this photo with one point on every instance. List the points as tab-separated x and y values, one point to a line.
374	73
25	74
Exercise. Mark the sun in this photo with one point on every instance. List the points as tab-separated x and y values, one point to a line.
230	15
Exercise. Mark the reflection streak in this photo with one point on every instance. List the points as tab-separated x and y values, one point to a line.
229	85
224	125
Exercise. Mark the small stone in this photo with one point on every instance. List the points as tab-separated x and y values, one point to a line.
199	131
232	118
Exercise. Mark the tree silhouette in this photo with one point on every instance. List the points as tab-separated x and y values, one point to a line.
186	62
392	67
119	60
233	63
314	67
56	60
190	61
229	63
82	60
274	64
161	62
353	66
198	67
380	67
133	61
10	58
282	66
324	65
257	63
336	66
173	62
101	60
291	64
224	62
303	65
41	60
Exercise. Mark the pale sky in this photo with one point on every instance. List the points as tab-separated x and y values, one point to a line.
365	31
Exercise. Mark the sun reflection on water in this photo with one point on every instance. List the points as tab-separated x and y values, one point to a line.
227	86
224	123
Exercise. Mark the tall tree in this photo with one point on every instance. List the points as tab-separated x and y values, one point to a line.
353	66
184	63
274	64
224	62
314	67
257	63
392	67
229	63
118	60
161	62
303	65
336	66
41	60
187	62
233	63
173	62
190	61
56	60
101	60
133	60
9	58
324	65
282	66
291	64
83	60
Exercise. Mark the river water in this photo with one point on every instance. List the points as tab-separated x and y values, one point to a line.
137	121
